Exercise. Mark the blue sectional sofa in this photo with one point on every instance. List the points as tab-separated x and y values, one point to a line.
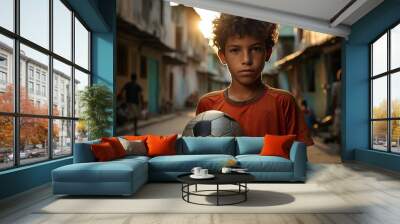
125	176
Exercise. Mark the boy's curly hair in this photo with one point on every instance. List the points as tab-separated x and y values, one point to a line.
228	25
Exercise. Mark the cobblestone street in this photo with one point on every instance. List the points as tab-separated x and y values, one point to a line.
175	124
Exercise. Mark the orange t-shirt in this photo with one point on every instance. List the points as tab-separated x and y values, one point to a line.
273	112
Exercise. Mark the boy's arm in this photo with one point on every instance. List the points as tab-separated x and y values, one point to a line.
295	123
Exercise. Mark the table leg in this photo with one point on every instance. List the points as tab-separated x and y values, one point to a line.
182	189
245	193
196	188
217	194
188	189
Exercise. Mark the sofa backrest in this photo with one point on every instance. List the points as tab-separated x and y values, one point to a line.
83	152
249	145
190	146
206	145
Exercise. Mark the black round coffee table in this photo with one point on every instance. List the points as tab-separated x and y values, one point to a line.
238	179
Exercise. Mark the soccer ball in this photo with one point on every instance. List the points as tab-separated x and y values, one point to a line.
212	123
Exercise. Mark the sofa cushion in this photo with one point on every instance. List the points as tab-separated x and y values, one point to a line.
116	145
111	171
134	147
206	145
277	145
161	145
83	152
257	163
103	151
185	163
133	158
249	145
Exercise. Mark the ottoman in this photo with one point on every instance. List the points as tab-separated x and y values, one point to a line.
119	177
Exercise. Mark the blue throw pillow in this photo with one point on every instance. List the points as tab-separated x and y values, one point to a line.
249	145
206	145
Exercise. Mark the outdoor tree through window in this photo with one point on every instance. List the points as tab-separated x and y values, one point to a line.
385	94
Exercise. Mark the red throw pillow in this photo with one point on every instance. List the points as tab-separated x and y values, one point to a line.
161	145
135	137
277	145
103	151
116	145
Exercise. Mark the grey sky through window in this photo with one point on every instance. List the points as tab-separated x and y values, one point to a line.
35	21
5	40
6	14
62	29
395	47
59	66
81	45
379	56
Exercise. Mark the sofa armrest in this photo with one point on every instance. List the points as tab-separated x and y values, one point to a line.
298	155
83	153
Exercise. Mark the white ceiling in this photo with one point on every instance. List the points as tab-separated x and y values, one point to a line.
324	16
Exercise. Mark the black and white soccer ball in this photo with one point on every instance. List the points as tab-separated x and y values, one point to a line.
212	123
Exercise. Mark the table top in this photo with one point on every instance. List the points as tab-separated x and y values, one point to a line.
220	178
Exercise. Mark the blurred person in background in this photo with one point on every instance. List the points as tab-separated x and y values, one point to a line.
134	100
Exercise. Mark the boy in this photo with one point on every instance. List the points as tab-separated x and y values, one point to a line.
244	45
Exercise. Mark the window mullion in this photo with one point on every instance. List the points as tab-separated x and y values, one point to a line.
371	89
50	81
16	84
389	106
73	82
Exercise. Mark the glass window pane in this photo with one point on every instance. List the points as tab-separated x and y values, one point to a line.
81	131
7	14
62	29
6	74
62	89
379	135
395	47
379	55
81	81
33	140
34	21
395	136
62	138
379	97
395	94
34	80
81	45
6	142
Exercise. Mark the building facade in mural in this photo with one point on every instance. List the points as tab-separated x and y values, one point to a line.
164	46
310	70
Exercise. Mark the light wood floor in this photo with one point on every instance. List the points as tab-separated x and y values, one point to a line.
378	189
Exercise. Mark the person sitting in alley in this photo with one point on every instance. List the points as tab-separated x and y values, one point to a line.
134	100
244	45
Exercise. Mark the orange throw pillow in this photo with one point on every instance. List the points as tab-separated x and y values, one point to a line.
135	137
116	145
103	151
161	145
277	145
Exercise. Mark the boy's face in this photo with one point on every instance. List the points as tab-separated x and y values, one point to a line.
245	57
